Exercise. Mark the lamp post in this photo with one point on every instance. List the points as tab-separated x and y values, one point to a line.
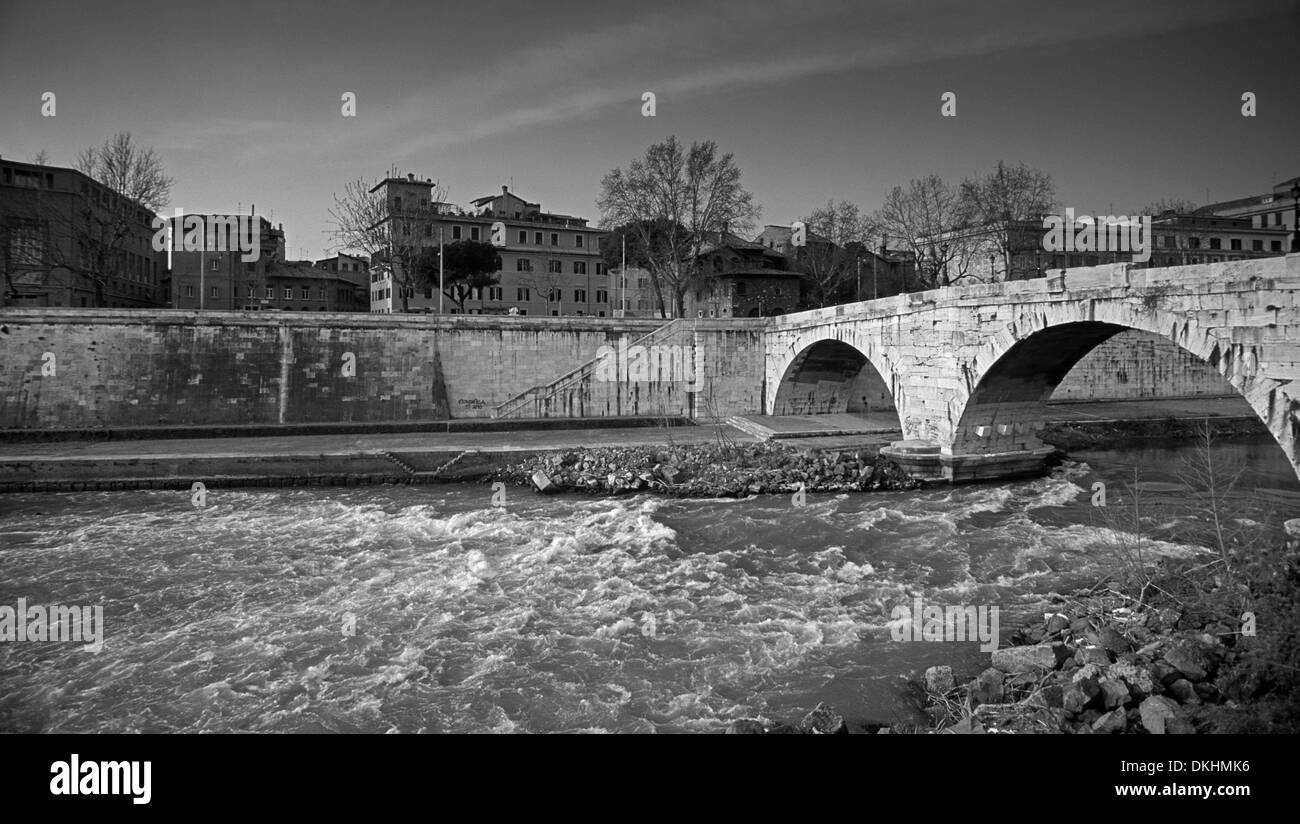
1295	216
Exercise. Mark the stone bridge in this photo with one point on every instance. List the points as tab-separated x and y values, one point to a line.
969	369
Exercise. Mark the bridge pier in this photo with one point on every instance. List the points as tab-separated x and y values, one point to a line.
932	462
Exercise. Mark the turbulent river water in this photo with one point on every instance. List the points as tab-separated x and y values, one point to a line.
426	609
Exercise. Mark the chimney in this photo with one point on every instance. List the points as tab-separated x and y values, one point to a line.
410	177
505	190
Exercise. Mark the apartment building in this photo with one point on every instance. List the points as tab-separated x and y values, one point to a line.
67	240
217	276
1274	209
548	264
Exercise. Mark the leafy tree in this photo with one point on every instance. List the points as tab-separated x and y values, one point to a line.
467	265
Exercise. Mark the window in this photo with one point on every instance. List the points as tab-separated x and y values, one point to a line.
306	293
1167	241
288	293
1193	243
216	291
1216	243
580	267
428	292
537	238
1275	246
215	266
578	238
455	233
553	295
523	265
741	289
322	293
579	295
270	293
602	296
523	236
1257	245
473	233
189	291
252	293
397	204
600	269
1235	244
522	294
555	239
555	267
494	293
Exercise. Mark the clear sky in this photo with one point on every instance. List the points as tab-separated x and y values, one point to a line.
1122	102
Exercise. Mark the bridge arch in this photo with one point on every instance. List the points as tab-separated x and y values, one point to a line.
827	375
1015	372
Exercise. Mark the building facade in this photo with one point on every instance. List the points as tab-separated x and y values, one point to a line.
217	276
742	279
67	240
1274	209
549	264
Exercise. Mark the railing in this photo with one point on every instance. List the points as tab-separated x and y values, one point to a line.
537	395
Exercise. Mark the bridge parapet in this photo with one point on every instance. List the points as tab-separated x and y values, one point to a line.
970	368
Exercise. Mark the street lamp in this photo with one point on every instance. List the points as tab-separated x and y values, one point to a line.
1295	216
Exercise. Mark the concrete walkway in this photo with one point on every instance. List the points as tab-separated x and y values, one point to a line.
420	457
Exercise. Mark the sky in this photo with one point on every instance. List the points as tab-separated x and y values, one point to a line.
1123	103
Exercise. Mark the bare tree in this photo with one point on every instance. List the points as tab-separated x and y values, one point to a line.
1176	205
1004	201
925	217
366	223
838	233
90	236
682	197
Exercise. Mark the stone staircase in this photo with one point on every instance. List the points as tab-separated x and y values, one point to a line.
548	400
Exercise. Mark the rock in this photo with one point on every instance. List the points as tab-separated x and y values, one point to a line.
1075	700
1138	679
966	726
1183	691
1113	641
1208	693
1180	726
1188	658
1112	722
784	729
1040	657
825	721
939	680
1092	655
987	688
1057	623
543	484
745	726
1156	712
1163	673
1113	693
1050	696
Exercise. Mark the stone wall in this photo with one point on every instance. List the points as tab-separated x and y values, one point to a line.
76	369
1136	364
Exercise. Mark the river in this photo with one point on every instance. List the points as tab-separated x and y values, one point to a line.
426	609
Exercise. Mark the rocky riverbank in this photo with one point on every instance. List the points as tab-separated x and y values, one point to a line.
714	470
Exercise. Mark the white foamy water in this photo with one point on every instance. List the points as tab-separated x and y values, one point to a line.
555	614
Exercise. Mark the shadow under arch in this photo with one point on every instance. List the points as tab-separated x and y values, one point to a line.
1006	408
830	376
